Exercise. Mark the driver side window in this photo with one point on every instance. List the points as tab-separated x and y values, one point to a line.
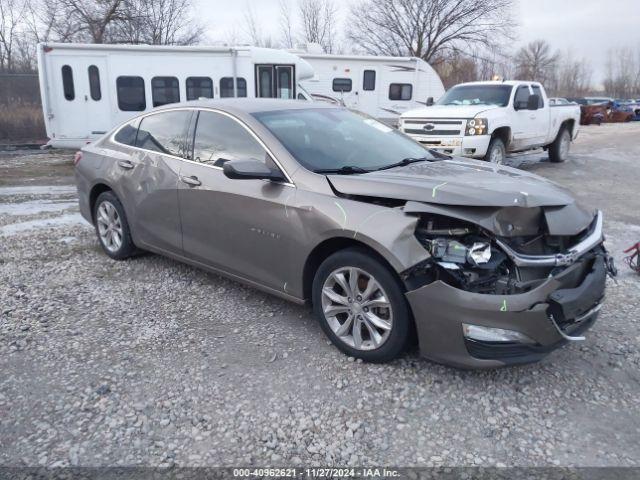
219	138
522	97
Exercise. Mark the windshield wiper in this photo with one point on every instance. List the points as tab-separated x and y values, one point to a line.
346	170
407	161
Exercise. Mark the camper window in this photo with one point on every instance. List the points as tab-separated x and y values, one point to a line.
94	83
199	87
67	83
369	80
164	90
400	91
164	132
341	85
226	87
131	97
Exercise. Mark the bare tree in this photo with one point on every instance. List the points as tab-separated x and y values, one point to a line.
536	61
286	24
318	19
94	16
254	30
157	22
429	29
573	76
12	13
623	72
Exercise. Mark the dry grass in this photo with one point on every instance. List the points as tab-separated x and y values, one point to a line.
21	123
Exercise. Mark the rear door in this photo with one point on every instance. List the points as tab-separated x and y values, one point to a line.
81	103
239	226
149	178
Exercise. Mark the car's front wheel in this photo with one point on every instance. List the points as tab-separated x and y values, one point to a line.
112	227
361	306
497	152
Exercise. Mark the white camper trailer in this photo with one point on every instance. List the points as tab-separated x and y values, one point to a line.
383	87
88	89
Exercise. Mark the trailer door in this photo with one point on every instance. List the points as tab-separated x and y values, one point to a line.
369	88
275	81
80	97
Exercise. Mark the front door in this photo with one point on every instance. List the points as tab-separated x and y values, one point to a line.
275	81
523	125
239	226
81	103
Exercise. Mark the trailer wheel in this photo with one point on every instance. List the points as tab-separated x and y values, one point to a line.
559	149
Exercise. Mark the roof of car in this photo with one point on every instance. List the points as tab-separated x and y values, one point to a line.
249	105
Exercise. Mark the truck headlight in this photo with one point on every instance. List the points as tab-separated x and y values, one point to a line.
477	126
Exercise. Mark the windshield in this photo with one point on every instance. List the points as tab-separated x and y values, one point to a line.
496	95
323	139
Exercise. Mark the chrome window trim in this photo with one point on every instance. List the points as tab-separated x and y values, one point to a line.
139	118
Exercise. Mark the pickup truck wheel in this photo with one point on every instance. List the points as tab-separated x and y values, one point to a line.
559	149
496	153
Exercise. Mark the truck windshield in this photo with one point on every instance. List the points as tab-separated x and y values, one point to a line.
339	140
495	95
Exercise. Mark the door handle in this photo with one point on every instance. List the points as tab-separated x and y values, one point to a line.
126	164
193	180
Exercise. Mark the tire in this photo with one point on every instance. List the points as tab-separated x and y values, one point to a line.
392	323
111	225
559	151
497	152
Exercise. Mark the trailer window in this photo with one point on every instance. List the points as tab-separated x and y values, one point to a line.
164	132
369	80
67	83
226	87
341	85
131	97
94	83
164	90
199	87
400	91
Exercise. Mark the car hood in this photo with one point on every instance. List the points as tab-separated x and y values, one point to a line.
448	111
457	183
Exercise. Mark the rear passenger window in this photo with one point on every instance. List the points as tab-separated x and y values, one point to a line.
127	134
369	80
164	132
131	97
67	83
341	85
219	138
226	87
199	87
400	91
164	90
94	83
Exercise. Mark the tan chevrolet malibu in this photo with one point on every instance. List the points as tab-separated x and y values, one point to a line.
484	265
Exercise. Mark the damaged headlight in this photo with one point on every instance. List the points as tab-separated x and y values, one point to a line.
449	251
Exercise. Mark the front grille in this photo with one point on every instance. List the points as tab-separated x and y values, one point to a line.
508	352
438	127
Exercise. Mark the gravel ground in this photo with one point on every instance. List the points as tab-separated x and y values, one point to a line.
151	362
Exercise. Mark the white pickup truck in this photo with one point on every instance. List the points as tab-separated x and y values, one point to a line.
489	120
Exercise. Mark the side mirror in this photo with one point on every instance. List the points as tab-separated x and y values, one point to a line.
429	101
250	169
533	102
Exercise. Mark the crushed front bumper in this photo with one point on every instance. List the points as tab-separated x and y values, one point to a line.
552	314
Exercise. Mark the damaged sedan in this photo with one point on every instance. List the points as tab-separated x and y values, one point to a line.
390	242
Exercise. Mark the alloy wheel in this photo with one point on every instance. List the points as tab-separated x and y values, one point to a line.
109	226
357	308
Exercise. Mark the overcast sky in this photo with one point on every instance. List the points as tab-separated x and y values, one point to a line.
587	27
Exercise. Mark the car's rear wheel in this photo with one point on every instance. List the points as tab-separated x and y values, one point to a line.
559	149
361	306
497	152
112	227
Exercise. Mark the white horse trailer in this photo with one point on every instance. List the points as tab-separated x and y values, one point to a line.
383	87
88	89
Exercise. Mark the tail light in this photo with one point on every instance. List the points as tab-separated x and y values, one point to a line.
77	157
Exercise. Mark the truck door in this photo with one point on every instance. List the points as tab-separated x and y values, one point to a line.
541	120
524	129
80	97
